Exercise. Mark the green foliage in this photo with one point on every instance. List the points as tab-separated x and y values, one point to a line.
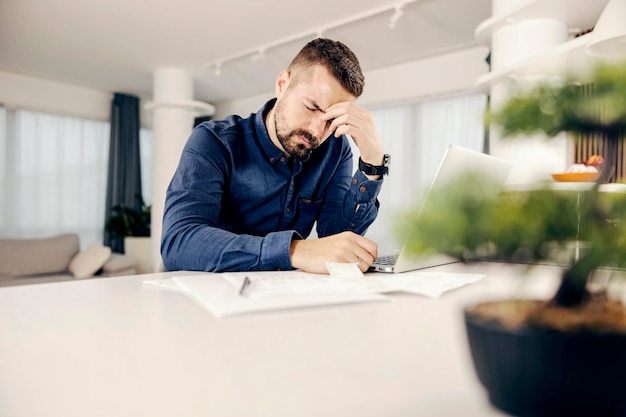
125	221
555	108
468	222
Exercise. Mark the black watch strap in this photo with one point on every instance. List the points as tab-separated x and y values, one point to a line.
369	169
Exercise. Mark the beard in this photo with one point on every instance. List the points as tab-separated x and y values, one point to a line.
288	138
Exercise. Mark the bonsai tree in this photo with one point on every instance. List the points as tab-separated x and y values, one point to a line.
125	221
563	356
526	227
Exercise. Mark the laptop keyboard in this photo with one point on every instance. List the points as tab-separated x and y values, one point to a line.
387	260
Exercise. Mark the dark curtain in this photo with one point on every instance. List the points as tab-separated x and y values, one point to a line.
124	172
200	119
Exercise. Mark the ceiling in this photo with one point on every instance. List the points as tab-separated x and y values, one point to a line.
115	45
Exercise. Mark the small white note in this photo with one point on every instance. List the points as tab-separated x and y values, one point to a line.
167	283
344	270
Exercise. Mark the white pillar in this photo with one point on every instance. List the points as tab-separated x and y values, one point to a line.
499	7
535	157
174	111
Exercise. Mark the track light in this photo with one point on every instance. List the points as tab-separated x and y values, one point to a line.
259	53
397	14
258	56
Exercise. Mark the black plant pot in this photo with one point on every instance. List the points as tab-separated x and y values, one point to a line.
541	373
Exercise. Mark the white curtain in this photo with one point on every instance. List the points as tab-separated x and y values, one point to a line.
146	146
416	136
53	175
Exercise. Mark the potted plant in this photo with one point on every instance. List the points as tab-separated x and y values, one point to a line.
133	226
565	355
125	221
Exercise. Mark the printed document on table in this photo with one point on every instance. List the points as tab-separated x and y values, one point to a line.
222	294
222	298
274	284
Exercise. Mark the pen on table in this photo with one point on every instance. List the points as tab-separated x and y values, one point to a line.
246	283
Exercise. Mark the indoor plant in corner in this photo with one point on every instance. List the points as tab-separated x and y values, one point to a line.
134	227
563	356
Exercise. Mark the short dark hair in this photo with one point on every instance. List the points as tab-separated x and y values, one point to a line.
337	58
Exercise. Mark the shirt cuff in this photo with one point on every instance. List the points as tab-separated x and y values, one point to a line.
364	189
276	250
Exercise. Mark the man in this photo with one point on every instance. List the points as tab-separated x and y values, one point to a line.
247	191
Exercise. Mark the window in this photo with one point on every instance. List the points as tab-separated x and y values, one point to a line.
416	136
54	174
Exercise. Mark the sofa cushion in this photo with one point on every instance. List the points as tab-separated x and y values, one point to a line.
37	256
120	263
89	261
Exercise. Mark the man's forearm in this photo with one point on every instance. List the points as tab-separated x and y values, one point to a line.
210	249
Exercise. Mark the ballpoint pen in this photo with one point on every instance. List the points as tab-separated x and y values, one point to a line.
246	283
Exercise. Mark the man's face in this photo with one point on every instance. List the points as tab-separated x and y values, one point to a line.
299	109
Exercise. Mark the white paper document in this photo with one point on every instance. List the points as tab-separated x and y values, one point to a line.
275	284
225	294
222	298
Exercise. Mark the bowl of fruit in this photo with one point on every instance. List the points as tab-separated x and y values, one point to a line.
587	171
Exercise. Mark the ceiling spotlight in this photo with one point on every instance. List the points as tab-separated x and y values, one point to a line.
259	55
397	14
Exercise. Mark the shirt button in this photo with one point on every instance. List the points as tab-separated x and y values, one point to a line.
362	188
282	159
352	224
288	210
272	159
354	181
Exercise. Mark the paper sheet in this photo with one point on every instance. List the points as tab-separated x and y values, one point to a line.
273	284
271	290
430	284
222	298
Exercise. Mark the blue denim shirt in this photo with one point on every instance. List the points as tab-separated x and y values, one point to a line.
236	201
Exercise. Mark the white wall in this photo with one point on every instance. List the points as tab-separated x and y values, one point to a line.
20	91
431	77
42	95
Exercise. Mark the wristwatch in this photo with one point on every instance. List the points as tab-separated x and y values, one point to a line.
369	169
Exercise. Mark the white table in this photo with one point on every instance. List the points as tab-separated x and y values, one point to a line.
115	347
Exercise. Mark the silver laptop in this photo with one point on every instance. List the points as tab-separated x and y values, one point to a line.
456	160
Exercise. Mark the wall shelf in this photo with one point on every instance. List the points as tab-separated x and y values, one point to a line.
578	14
569	56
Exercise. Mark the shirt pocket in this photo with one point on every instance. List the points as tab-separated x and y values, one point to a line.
307	213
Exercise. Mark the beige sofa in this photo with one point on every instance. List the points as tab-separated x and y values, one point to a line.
58	258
